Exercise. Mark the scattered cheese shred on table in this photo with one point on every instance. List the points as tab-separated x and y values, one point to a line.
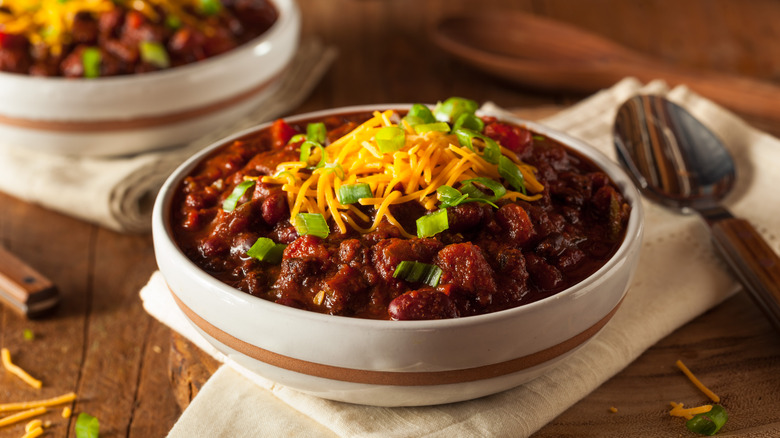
712	396
33	433
66	412
21	416
33	429
32	425
613	409
679	411
38	403
16	370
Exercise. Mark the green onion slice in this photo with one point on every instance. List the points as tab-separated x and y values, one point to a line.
266	250
306	148
539	137
432	224
316	132
490	153
335	168
297	138
91	59
230	203
452	108
450	196
87	426
390	139
413	121
469	121
509	171
154	53
209	7
351	193
428	127
708	423
419	114
28	334
311	223
283	173
418	272
494	186
173	21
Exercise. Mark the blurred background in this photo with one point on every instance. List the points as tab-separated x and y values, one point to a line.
727	36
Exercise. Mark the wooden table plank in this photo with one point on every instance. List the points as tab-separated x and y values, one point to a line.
732	349
102	344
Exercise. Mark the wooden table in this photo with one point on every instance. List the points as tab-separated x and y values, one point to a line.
102	345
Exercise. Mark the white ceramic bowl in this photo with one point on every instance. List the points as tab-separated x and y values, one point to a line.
398	363
136	113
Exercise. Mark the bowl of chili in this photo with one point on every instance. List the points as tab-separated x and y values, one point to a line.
107	78
399	255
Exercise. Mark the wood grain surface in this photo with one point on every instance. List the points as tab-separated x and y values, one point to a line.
101	344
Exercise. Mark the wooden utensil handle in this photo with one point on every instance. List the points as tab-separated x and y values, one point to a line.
754	98
24	289
754	262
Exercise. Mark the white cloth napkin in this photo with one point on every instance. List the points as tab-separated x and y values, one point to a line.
679	278
119	192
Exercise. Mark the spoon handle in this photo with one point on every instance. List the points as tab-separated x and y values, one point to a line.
755	263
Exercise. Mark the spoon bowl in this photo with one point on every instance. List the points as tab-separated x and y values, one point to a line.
678	162
673	157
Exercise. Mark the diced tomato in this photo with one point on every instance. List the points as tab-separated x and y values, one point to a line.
134	19
12	41
513	138
281	133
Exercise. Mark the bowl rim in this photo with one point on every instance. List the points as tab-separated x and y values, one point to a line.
162	231
287	9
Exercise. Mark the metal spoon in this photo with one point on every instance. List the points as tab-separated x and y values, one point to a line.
678	162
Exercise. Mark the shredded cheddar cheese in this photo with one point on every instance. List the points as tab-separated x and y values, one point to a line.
33	433
679	411
17	371
66	412
32	425
412	173
21	416
613	409
711	395
65	398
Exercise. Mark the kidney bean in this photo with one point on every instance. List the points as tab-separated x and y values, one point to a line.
284	232
241	244
275	208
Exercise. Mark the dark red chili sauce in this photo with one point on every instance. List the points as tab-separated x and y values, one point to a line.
119	33
492	259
